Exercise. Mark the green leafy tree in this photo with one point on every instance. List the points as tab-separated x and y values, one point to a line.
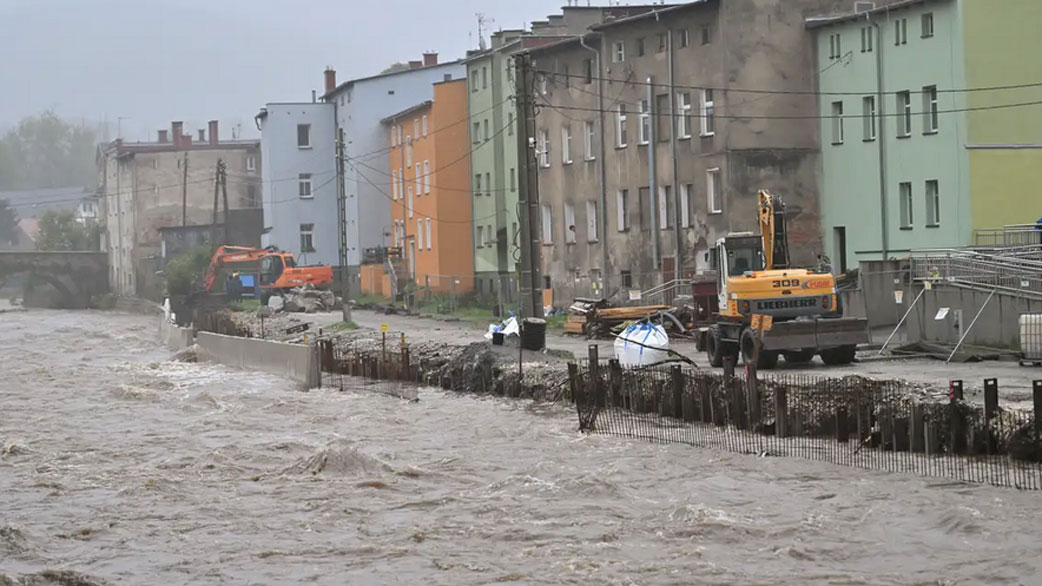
59	230
187	270
47	151
8	223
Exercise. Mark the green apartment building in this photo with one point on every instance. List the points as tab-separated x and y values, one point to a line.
910	159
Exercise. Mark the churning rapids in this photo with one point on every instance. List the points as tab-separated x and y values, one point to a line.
120	467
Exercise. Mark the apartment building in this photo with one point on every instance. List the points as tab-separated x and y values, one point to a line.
146	186
656	131
429	184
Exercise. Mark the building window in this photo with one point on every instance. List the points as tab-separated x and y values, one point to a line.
401	183
544	149
588	71
662	43
475	133
513	179
510	123
251	163
490	235
665	207
708	126
868	111
588	140
626	278
713	195
835	46
930	118
488	184
620	127
569	223
419	234
642	47
683	38
484	78
548	224
408	151
618	54
591	221
933	204
567	76
307	238
417	178
643	208
837	122
544	84
927	25
416	127
904	114
707	35
479	236
430	241
663	121
685	205
866	39
408	203
684	120
394	185
426	176
304	185
566	144
394	136
477	184
487	135
906	206
424	125
304	136
474	79
621	208
644	130
901	31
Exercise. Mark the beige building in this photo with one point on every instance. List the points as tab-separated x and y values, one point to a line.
143	188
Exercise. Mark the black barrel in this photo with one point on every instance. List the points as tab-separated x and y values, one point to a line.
497	338
533	334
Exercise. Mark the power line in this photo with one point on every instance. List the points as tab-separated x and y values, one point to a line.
401	203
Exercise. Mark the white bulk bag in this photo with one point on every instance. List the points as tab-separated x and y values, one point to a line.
642	344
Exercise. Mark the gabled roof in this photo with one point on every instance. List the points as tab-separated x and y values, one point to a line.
407	111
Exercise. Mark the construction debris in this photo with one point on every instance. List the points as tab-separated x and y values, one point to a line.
307	299
596	318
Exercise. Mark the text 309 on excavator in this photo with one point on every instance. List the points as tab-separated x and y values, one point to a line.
278	271
754	278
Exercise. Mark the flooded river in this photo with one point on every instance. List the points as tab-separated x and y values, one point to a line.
128	469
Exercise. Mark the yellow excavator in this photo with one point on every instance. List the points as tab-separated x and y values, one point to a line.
754	278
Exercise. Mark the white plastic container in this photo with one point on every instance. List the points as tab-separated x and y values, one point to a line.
1031	336
642	344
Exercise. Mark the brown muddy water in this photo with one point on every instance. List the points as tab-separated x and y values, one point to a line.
127	469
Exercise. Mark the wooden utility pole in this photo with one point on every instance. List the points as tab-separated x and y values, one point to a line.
216	200
531	246
341	210
184	191
224	196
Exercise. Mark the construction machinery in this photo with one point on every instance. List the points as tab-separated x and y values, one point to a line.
797	311
277	270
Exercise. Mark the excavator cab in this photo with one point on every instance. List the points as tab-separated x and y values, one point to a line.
271	268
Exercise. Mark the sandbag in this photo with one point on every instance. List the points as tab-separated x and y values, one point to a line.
642	344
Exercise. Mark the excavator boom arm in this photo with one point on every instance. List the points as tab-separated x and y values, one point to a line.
773	231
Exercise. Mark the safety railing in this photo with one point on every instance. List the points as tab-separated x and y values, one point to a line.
666	292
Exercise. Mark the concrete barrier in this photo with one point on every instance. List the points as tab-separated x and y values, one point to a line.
295	361
173	337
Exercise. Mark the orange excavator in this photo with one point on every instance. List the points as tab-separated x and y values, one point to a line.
277	270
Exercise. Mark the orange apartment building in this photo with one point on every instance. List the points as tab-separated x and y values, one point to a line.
430	190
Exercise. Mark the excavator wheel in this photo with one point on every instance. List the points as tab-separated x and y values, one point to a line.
716	348
768	359
839	356
798	356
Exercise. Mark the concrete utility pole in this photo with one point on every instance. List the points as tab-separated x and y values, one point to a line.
184	192
218	180
531	274
341	210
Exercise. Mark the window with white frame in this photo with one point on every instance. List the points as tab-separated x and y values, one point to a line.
901	31
307	238
933	204
426	176
868	117
618	54
430	241
866	39
510	123
591	221
835	47
707	111
394	135
641	47
419	234
488	184
569	223
487	135
620	127
837	122
713	193
644	130
548	224
251	163
484	78
490	236
408	202
904	114
684	119
401	183
665	207
394	184
304	184
589	140
707	35
683	38
477	184
930	112
479	236
513	179
622	209
905	193
566	144
417	178
685	205
424	123
544	148
475	133
408	151
304	136
927	25
416	127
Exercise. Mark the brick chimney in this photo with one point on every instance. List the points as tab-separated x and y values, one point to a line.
202	135
164	136
177	132
330	75
214	136
430	59
415	64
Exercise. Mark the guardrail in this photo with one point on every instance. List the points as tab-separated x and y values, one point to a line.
1013	235
667	291
1018	273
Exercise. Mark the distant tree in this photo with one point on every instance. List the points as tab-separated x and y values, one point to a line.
8	223
395	68
59	230
186	270
47	151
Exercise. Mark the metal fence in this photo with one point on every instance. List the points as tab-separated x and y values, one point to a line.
882	425
343	366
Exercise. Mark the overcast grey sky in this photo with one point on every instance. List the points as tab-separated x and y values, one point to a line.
152	61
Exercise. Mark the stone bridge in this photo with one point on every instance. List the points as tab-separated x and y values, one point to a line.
76	277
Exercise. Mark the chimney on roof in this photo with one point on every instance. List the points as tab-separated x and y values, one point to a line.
430	59
330	74
186	141
214	137
177	132
415	64
164	136
202	135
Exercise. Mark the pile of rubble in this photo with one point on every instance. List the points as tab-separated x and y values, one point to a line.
307	299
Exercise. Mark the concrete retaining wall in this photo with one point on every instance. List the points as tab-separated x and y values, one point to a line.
295	361
173	337
998	325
